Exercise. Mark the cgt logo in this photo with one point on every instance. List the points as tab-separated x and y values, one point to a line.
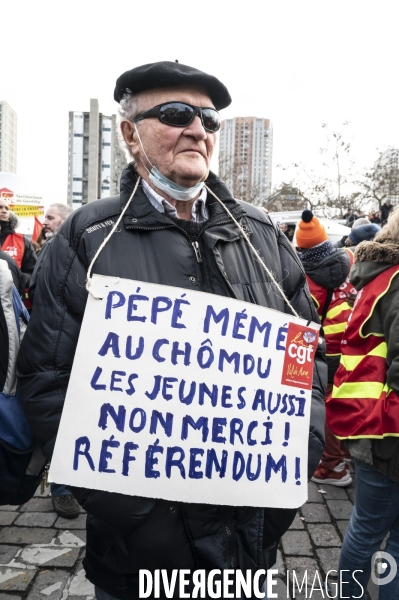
11	251
299	350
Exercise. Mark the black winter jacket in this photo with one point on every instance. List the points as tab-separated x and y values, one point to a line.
330	271
127	533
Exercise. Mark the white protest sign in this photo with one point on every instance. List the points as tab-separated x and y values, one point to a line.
178	394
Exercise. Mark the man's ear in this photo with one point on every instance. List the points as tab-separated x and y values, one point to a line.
130	136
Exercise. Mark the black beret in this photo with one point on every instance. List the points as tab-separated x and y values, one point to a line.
169	74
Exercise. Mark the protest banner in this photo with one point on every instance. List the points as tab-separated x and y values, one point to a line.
187	396
27	210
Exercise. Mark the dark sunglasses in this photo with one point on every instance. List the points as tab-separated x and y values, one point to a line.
180	114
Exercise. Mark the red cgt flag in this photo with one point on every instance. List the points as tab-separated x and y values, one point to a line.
36	229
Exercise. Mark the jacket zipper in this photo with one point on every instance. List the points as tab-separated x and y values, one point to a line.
197	251
198	256
200	262
195	246
150	228
137	228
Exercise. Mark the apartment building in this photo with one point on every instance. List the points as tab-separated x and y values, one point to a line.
95	159
245	157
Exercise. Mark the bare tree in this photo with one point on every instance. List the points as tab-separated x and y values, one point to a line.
381	181
234	172
330	189
337	150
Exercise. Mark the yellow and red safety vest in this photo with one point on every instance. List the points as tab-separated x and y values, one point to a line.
338	311
14	246
361	404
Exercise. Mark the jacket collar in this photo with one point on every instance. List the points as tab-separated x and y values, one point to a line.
6	228
142	215
5	231
331	271
383	249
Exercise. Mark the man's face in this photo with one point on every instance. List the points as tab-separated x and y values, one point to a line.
4	210
182	154
52	222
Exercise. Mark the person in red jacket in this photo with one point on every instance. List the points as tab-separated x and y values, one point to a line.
364	410
327	270
15	244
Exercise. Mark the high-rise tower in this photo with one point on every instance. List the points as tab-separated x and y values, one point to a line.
95	159
245	157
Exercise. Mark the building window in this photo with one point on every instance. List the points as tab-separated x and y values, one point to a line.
77	179
78	135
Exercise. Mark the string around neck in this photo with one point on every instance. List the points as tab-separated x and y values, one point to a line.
245	236
256	254
88	278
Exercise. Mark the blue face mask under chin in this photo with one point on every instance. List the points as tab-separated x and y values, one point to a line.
174	190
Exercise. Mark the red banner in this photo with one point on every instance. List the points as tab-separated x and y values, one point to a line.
36	229
299	356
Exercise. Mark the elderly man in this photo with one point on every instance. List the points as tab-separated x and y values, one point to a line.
173	232
15	244
55	216
63	501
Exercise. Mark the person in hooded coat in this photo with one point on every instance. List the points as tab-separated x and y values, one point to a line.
327	270
364	410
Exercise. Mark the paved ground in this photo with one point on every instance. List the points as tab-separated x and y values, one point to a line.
41	553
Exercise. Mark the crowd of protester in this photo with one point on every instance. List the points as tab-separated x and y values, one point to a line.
355	289
334	275
355	292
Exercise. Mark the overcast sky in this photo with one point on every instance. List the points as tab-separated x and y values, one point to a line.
298	63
